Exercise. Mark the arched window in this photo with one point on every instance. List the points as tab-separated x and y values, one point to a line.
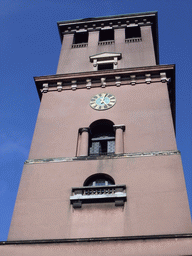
102	138
99	179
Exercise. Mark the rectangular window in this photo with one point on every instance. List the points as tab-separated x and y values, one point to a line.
80	37
102	146
106	35
105	66
132	32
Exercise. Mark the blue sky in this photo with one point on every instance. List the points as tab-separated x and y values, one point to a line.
30	46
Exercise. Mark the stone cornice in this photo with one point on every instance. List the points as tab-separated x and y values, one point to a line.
100	239
114	77
103	157
90	74
118	21
135	75
115	22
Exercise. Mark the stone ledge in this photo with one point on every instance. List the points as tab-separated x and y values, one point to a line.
113	156
99	239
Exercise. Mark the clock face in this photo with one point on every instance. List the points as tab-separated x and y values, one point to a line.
102	101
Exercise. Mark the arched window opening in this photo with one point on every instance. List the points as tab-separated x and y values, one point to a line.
99	179
102	138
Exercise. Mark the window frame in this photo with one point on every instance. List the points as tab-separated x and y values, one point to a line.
101	131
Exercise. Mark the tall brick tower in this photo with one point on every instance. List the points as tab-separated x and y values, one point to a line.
104	176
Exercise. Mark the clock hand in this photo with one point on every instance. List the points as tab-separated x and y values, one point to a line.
103	100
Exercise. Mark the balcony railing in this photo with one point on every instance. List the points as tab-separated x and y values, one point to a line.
98	194
132	40
106	42
79	45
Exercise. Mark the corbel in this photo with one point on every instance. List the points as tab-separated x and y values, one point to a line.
163	77
115	63
103	82
117	81
45	87
147	78
88	83
95	64
74	85
133	79
59	86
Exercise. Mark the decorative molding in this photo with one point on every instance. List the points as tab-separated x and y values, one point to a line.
103	82
106	42
105	55
88	83
128	76
164	77
119	126
59	86
114	156
45	87
81	45
147	78
52	79
145	238
117	81
133	79
74	85
98	194
133	40
84	129
116	22
105	58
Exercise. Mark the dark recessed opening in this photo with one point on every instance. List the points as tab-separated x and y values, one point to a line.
106	35
99	179
131	32
81	37
105	66
102	138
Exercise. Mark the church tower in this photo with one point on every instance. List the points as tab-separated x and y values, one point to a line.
104	175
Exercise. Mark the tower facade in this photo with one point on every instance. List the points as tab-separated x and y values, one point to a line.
104	173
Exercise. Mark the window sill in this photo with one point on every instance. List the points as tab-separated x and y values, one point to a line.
82	45
106	42
98	194
132	40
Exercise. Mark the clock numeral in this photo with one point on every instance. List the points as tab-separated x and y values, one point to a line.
93	105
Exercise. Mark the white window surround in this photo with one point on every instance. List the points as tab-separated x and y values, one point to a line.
105	58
